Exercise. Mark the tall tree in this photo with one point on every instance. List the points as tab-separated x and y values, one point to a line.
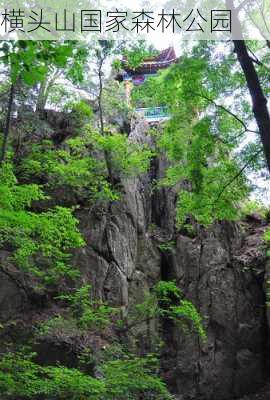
29	61
259	101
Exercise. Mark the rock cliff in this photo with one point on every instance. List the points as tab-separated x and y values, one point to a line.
221	269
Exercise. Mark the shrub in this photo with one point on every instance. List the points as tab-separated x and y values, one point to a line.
89	313
128	378
253	207
172	305
21	377
41	241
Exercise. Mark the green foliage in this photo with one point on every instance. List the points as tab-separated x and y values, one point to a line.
89	314
41	241
72	167
75	68
168	246
172	305
116	65
132	377
137	53
201	145
166	291
82	108
267	240
198	147
21	376
129	378
185	313
167	301
267	235
60	95
90	357
250	207
80	111
268	293
144	95
201	138
58	327
212	202
31	60
114	103
127	157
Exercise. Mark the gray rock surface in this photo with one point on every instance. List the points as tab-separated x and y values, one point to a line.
221	270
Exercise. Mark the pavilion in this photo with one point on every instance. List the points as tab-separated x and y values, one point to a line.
149	67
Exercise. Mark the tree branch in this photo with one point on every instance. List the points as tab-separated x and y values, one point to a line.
242	5
224	188
246	129
236	176
7	124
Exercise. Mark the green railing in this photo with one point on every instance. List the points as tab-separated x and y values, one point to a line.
154	114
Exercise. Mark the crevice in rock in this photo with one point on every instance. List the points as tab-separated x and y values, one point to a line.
169	353
198	375
266	349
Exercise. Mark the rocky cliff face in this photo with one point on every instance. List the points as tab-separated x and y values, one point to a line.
220	269
222	272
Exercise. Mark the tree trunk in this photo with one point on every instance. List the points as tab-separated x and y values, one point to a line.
41	100
7	125
100	96
107	154
44	90
259	101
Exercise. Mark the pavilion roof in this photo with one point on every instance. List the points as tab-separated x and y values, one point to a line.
152	64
